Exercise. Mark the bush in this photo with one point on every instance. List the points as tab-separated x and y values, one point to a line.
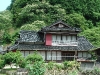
13	57
59	66
65	63
2	64
22	63
70	64
50	65
31	58
37	68
95	71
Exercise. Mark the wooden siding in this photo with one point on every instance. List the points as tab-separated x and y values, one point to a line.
46	55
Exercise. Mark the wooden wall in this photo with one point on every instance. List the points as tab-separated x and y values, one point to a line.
47	55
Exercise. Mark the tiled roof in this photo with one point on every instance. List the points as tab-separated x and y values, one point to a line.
67	28
83	45
30	36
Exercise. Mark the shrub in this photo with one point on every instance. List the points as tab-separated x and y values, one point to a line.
31	58
70	64
50	65
13	57
65	63
2	64
59	66
22	63
37	68
95	71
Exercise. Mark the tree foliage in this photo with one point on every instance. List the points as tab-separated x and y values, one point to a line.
36	25
35	57
13	57
84	14
93	35
42	11
5	22
77	20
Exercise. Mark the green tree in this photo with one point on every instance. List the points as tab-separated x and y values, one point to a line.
93	35
36	25
7	38
5	24
36	10
13	57
77	20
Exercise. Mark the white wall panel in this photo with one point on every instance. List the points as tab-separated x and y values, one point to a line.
73	38
43	54
22	53
54	55
26	53
68	37
84	54
53	37
64	38
39	52
48	55
79	54
58	55
58	37
31	52
89	55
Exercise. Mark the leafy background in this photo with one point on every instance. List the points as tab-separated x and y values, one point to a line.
34	14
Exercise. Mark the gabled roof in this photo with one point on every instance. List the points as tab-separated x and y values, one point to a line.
83	45
30	36
59	26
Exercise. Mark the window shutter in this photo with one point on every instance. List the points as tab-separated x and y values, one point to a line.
48	39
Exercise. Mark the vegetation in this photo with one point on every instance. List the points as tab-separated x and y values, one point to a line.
38	67
34	14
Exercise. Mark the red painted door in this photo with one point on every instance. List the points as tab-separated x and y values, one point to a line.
48	39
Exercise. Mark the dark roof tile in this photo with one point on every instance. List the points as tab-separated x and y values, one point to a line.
83	45
30	36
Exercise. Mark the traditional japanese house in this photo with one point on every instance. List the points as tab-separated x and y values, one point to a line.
57	42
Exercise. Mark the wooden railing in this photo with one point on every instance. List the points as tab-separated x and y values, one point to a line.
64	43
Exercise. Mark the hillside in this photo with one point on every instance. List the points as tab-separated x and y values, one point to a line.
34	14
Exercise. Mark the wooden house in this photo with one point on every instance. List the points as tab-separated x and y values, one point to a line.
57	42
